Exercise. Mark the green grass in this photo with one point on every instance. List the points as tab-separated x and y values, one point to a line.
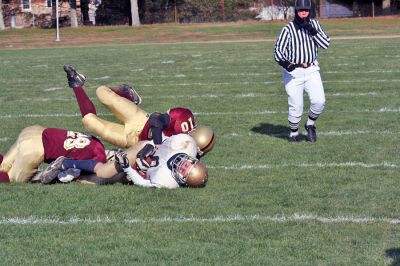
266	199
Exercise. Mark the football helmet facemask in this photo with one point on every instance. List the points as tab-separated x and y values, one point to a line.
189	171
205	139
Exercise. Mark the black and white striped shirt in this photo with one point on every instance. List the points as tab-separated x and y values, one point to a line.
297	46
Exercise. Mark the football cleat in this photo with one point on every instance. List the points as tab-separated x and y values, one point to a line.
51	172
69	175
75	79
129	93
311	133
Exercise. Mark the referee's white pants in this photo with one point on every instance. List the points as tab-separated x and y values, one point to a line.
298	81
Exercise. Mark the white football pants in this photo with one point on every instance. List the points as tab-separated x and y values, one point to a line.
298	81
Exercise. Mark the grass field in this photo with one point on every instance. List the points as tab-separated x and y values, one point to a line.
267	202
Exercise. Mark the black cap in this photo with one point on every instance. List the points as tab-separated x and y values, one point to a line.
302	4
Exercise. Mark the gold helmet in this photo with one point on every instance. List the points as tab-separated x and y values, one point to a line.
205	139
189	171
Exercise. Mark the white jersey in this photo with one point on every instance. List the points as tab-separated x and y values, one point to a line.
161	175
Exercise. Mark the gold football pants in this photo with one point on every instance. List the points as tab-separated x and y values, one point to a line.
126	111
25	155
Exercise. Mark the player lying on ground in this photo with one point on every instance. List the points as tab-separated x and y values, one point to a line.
137	124
36	144
173	164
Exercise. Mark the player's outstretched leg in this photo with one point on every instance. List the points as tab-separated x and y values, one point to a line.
75	79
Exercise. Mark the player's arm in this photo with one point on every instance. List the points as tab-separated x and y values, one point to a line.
109	169
95	180
137	179
321	39
158	121
280	48
122	164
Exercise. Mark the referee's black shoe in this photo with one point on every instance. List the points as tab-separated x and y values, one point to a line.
311	133
295	139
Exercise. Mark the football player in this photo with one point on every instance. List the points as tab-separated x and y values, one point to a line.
173	164
36	144
137	125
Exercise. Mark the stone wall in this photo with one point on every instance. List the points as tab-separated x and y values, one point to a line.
39	15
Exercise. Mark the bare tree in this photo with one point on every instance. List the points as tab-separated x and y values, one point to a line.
74	17
284	6
2	27
135	13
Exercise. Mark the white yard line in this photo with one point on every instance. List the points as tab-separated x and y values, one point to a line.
297	217
210	95
45	115
264	112
263	82
322	133
307	165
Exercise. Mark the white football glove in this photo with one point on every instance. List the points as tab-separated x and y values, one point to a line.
142	157
121	161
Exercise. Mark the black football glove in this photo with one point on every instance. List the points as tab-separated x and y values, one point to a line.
287	65
121	161
309	27
141	159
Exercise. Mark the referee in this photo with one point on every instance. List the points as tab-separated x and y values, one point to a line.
296	50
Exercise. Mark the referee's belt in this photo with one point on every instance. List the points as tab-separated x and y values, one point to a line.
304	65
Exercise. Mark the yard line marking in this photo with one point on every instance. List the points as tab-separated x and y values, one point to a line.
322	133
297	217
381	110
46	115
306	165
231	95
101	78
54	89
261	82
362	72
255	40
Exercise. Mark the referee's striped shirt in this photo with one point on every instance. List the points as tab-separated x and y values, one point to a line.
297	46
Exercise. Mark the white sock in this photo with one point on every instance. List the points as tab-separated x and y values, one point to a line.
294	133
310	122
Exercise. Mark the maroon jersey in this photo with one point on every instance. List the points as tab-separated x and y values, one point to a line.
74	145
182	121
